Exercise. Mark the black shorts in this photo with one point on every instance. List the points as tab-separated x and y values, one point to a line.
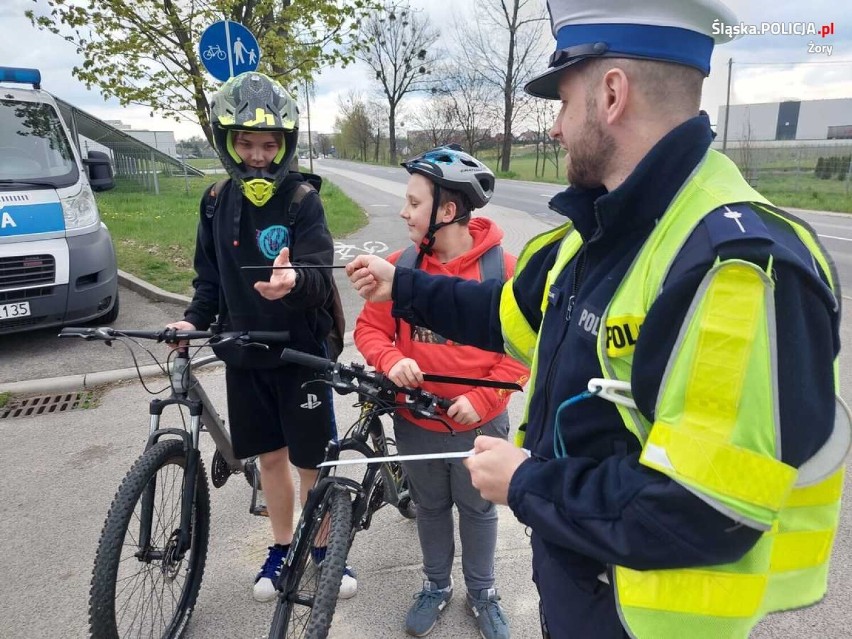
268	409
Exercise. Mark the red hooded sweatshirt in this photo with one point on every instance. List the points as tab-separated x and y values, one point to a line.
375	337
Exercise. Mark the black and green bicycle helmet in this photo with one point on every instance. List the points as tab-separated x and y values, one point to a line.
254	102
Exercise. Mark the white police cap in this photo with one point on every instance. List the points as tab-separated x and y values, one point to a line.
679	31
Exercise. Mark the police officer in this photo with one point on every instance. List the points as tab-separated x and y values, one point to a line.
685	439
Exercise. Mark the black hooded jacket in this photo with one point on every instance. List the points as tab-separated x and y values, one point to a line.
236	233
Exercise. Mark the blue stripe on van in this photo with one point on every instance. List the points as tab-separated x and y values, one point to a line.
31	218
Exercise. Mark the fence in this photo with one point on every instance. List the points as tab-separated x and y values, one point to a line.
796	165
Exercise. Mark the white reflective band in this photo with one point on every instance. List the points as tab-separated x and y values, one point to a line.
392	458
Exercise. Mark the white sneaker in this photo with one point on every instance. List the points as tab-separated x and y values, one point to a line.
348	585
264	590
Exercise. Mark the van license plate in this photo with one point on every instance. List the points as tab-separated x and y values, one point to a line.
11	311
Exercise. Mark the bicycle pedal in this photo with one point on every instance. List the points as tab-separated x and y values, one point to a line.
259	510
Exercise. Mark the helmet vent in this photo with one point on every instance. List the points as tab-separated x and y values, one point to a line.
469	162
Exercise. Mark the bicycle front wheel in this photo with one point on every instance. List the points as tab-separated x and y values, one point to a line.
308	595
140	585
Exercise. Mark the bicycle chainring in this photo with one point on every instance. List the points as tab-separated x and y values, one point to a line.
219	470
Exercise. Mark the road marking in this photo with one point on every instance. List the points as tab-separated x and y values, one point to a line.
380	205
834	237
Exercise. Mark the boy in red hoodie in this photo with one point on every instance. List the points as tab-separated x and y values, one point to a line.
446	184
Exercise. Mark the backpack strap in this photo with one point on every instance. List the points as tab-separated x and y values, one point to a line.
212	197
492	266
298	195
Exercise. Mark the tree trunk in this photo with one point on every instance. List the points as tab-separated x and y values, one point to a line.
392	132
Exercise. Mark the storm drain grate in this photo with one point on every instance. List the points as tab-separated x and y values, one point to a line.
46	404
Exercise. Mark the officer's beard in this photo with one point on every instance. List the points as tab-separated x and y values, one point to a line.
590	154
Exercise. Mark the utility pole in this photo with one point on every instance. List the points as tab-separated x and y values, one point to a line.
727	106
310	140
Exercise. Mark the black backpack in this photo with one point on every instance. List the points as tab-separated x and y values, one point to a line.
333	305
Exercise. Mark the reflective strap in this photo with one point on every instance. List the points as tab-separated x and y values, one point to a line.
821	494
519	338
692	592
718	466
571	243
731	313
800	550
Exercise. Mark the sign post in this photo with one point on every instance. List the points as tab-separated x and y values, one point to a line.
227	49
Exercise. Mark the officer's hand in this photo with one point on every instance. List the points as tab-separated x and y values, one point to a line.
462	411
372	277
182	325
282	281
492	466
406	372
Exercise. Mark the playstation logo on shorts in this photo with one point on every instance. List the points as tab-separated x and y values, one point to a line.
312	402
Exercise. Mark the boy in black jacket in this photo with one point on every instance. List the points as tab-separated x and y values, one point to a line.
255	125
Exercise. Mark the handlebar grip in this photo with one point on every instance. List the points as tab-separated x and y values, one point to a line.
443	403
305	359
75	331
269	337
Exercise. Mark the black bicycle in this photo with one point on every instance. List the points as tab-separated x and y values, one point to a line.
153	546
338	507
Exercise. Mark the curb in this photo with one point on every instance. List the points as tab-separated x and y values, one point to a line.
89	380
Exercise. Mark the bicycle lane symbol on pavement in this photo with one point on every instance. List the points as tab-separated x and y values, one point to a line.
227	49
347	252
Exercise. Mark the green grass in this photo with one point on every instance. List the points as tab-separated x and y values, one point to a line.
205	163
4	399
805	191
154	235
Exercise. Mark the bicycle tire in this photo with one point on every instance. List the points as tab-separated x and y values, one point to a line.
308	597
117	550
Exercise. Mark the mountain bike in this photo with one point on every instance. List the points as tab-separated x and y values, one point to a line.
153	547
338	507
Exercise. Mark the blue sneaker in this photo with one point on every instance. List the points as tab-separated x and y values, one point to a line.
489	615
428	604
264	583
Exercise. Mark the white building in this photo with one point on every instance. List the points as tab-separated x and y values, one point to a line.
790	120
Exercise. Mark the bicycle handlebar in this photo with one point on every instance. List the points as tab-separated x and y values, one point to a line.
355	378
174	336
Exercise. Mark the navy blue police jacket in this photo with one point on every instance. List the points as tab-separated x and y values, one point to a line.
598	506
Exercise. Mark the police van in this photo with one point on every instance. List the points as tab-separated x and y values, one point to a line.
57	262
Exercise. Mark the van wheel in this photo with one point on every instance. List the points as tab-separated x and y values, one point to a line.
112	315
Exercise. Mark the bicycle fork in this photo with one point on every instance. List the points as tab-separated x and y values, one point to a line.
180	540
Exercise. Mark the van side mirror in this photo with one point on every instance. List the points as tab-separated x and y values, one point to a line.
99	168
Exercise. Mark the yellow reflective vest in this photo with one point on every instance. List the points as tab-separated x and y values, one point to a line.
716	428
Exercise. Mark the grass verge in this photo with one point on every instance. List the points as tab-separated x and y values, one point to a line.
4	399
154	235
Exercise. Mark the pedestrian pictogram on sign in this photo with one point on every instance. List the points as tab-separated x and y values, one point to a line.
227	49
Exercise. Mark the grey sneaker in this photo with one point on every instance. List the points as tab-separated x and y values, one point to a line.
428	605
489	615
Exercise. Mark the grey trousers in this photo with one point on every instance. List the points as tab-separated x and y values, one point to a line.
436	485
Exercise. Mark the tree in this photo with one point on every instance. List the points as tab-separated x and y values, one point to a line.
144	52
354	125
377	113
506	49
396	46
432	122
471	105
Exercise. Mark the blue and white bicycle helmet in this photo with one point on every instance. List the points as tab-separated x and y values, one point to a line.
451	168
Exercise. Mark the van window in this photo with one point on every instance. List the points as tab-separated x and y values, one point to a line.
33	146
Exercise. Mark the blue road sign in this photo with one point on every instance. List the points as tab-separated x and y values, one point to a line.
227	49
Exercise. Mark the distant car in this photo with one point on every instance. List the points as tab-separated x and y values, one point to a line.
57	261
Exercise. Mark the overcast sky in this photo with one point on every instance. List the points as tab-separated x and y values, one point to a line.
766	68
